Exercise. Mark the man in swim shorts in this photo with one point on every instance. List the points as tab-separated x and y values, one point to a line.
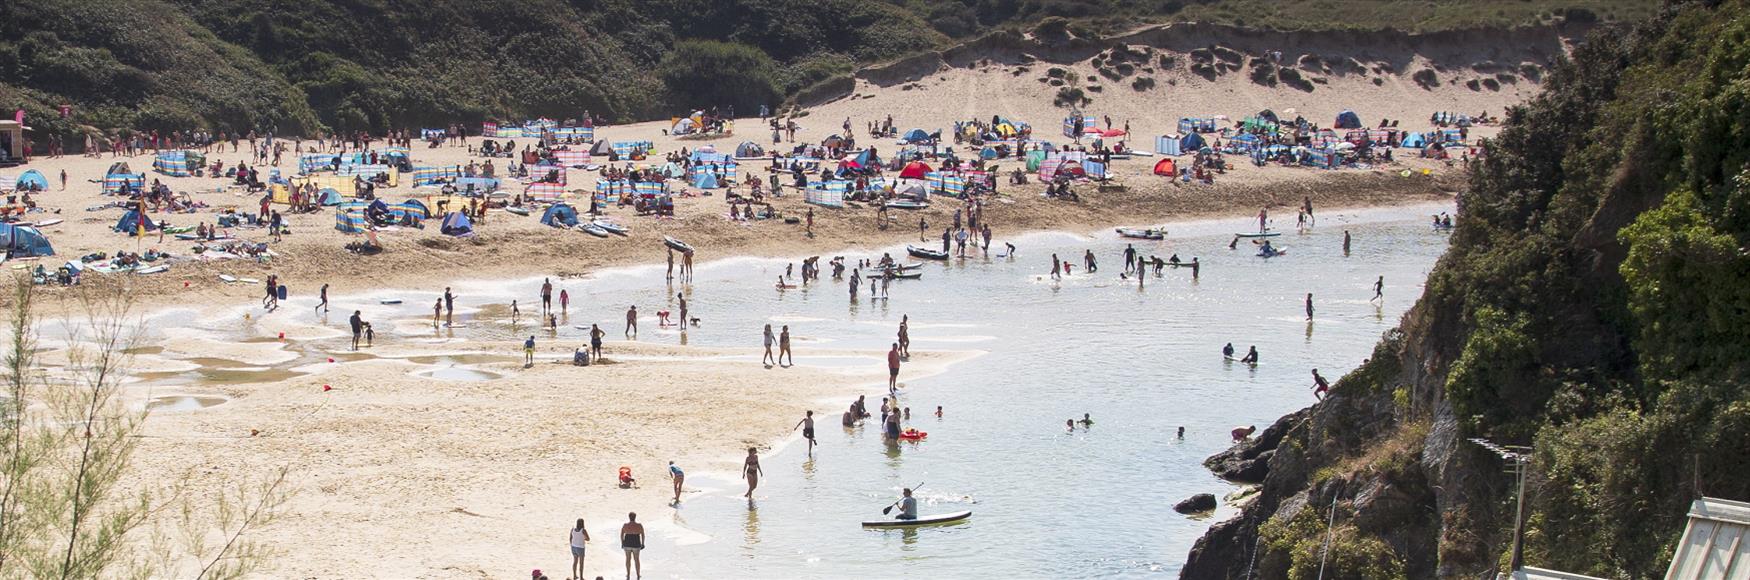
807	426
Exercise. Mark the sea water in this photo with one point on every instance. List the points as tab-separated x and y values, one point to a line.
1142	360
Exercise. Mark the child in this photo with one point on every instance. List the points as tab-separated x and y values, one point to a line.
370	334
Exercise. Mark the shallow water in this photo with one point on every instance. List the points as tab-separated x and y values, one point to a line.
1142	361
176	403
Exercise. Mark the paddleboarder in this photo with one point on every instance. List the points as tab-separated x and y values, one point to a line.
908	506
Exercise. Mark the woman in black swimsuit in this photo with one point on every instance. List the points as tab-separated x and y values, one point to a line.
632	539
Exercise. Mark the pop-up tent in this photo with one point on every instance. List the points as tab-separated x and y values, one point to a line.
328	196
916	136
133	222
32	179
1414	141
558	215
1179	144
1348	120
705	180
914	170
601	149
749	149
1166	167
24	242
456	224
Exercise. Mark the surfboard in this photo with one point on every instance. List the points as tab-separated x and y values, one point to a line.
49	222
389	301
227	278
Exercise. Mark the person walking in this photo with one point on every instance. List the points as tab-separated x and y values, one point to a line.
750	471
632	321
579	537
1379	288
358	328
893	370
683	310
323	305
768	359
529	352
807	426
784	347
1309	307
546	295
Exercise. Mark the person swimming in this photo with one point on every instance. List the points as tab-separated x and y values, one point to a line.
1228	351
1087	421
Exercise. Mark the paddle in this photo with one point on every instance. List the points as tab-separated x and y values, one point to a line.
889	508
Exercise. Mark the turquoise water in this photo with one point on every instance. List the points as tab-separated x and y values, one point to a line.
1142	361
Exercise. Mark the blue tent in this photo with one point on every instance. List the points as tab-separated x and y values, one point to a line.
916	136
867	158
33	179
1413	141
328	196
1192	142
558	215
988	152
130	223
411	207
705	180
24	242
1348	120
1179	144
457	224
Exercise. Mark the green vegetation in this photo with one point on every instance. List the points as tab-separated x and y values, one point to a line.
302	67
1592	305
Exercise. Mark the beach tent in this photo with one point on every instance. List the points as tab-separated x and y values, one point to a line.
1348	120
916	136
119	167
132	222
867	158
558	215
988	152
1166	167
24	242
1072	168
456	224
1269	115
833	141
601	149
914	170
32	179
1179	144
683	126
705	180
1414	140
748	149
328	196
1034	158
411	207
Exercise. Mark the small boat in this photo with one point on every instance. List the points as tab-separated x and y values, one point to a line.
610	226
946	518
1273	252
905	267
1258	235
907	275
907	204
926	253
593	230
517	210
1142	234
676	245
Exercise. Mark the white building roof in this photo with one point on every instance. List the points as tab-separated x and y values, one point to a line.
1715	545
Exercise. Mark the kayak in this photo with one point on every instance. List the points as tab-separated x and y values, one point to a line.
907	204
676	245
1145	234
926	253
904	267
1259	235
1277	252
517	210
611	227
946	518
907	276
593	230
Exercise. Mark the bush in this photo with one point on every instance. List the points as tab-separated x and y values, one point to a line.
704	73
1142	83
1426	78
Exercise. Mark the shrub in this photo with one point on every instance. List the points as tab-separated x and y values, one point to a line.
706	73
1142	83
1426	78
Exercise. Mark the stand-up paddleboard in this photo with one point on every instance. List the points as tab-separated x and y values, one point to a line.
48	222
946	518
522	211
1142	234
593	230
610	226
1258	235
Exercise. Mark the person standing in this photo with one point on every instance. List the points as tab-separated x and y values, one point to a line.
1129	257
579	536
564	301
807	426
546	295
632	321
358	328
810	227
683	309
1089	266
632	540
529	351
323	305
893	369
768	359
750	471
905	336
1056	268
922	227
1309	307
671	264
449	307
437	311
595	341
1345	242
784	347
